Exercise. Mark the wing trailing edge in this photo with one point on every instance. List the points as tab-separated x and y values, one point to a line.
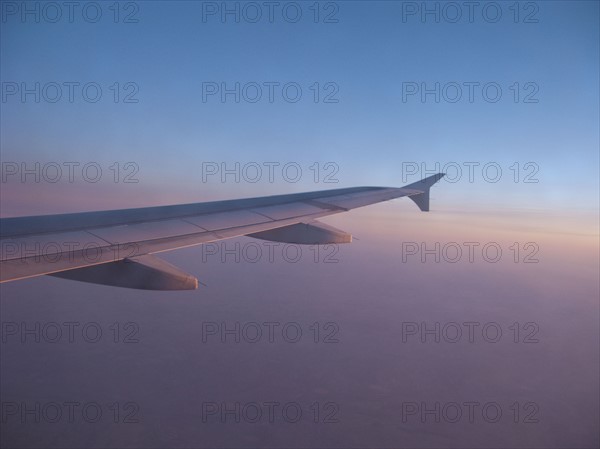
144	272
312	233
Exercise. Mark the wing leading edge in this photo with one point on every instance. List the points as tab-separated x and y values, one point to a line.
115	247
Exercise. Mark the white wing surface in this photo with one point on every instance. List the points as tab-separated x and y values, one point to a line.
115	247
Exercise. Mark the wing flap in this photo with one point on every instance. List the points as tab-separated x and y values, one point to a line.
144	272
146	231
347	202
282	211
47	245
313	233
225	220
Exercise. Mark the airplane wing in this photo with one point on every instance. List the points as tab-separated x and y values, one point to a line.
116	247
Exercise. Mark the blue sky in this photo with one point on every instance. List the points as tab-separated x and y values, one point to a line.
368	54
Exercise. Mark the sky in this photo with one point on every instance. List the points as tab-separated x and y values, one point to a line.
375	133
132	104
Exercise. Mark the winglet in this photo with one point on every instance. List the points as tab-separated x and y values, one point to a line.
422	199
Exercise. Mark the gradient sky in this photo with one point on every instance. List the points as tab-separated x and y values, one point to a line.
368	134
